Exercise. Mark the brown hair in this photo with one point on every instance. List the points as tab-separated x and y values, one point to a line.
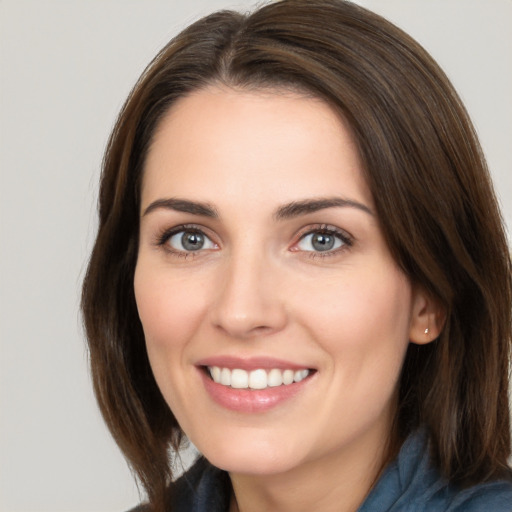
433	197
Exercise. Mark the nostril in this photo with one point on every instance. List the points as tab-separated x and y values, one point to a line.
243	330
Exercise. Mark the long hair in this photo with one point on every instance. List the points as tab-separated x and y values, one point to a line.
433	197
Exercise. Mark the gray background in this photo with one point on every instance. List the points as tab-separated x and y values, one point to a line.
66	67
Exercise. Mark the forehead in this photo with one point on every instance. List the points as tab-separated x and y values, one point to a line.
252	144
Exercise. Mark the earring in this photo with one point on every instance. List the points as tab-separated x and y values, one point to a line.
426	330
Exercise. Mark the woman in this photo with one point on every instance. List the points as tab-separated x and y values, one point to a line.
300	266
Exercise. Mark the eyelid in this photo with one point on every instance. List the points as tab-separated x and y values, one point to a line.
162	238
345	237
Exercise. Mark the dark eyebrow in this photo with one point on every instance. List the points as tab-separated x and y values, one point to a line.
297	208
183	205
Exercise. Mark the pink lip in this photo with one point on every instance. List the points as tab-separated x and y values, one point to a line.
247	400
248	364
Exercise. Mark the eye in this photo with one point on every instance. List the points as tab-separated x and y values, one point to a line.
189	240
322	240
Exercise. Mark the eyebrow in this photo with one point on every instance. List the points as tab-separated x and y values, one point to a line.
287	211
298	208
183	205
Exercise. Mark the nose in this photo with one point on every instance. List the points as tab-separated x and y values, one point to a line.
249	301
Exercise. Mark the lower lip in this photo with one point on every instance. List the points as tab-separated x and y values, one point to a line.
248	400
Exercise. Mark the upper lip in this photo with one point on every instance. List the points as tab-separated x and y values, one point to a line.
250	363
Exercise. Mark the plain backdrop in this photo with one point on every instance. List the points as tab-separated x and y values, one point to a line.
66	67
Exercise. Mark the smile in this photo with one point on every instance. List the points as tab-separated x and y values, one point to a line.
256	379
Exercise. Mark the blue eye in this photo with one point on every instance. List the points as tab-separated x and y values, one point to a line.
188	240
321	241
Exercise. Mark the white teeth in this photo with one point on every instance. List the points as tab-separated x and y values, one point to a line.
300	375
239	379
225	377
215	372
274	378
288	377
256	379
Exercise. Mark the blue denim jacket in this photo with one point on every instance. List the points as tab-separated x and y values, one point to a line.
409	484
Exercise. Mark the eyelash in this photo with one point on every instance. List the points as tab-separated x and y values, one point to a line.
347	240
164	237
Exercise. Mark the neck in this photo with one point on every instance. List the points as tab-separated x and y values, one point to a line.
335	482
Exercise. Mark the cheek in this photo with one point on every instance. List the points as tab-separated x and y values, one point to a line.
169	309
363	319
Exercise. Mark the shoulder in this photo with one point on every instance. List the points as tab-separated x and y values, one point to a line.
412	483
431	492
492	496
203	488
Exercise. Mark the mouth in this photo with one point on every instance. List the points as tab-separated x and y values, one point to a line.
257	379
254	384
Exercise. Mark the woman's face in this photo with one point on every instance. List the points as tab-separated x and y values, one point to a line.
261	260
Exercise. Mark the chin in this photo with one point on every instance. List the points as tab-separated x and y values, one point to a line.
256	458
257	465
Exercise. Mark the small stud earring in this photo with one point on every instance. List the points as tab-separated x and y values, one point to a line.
426	330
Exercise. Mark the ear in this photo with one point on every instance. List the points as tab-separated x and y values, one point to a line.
427	317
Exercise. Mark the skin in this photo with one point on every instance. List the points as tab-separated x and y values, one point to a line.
259	288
